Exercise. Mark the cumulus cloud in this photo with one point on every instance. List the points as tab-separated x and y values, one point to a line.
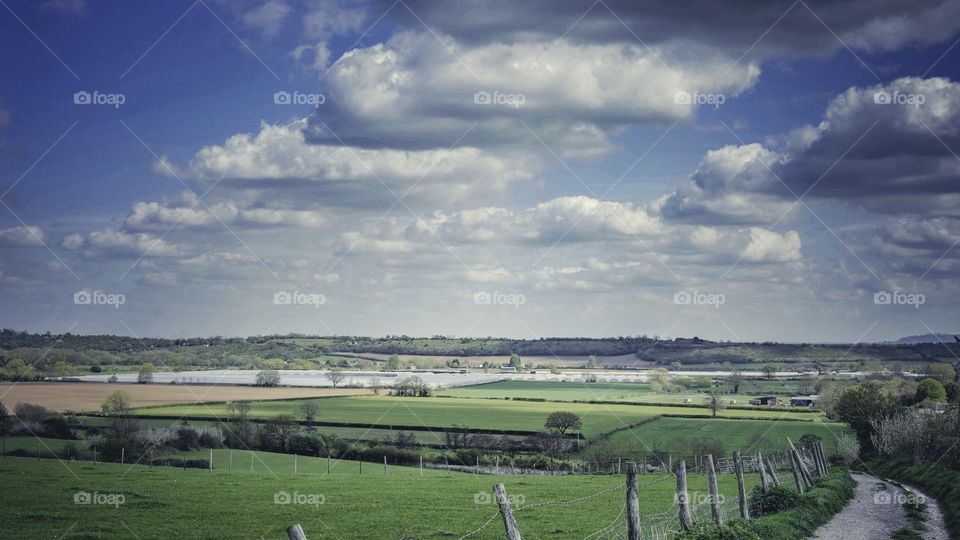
733	26
187	211
121	243
279	155
29	236
268	18
886	148
413	92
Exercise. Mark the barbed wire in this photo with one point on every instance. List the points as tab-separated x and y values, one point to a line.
570	501
610	526
475	531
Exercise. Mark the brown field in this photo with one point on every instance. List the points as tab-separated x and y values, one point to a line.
89	396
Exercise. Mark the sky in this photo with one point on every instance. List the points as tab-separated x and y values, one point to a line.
743	171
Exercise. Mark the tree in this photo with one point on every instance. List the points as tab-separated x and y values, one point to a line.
393	363
4	418
562	421
592	362
336	377
278	430
117	407
943	372
240	415
145	374
268	377
858	405
930	389
516	361
953	391
715	404
310	410
736	379
769	370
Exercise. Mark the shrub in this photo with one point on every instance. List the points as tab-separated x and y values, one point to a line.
777	499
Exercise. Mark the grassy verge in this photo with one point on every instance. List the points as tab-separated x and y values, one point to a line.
937	481
810	510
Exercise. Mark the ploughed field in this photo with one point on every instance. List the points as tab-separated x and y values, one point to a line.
54	499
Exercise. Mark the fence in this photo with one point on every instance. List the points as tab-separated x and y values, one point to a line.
681	516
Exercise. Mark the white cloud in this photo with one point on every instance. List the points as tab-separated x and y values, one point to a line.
120	243
267	18
29	236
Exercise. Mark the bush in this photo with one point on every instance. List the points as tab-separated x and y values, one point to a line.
777	499
812	509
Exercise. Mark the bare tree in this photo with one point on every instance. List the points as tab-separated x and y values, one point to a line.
310	410
336	377
715	404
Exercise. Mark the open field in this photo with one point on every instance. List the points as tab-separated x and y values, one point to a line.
678	434
172	503
475	413
607	391
89	396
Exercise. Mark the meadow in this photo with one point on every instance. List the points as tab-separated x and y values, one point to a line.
163	502
748	436
481	414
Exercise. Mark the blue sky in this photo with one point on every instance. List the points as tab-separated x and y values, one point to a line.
597	201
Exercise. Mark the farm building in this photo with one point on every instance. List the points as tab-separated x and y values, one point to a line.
508	369
803	401
764	400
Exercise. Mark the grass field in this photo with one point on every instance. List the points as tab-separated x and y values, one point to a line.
475	413
172	503
678	434
274	464
605	391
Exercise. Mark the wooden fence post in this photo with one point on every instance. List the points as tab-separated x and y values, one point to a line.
384	465
123	455
295	532
764	479
823	459
211	459
683	500
251	461
773	473
804	473
421	464
797	476
633	503
294	464
230	466
741	489
509	523
714	490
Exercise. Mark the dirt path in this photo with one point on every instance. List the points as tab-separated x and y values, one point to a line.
876	511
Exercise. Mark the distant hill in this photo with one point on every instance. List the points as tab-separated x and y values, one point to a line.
927	338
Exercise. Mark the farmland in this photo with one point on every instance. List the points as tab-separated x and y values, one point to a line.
476	413
168	503
679	434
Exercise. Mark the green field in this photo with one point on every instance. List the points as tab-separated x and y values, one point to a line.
747	436
475	413
607	391
246	461
164	502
